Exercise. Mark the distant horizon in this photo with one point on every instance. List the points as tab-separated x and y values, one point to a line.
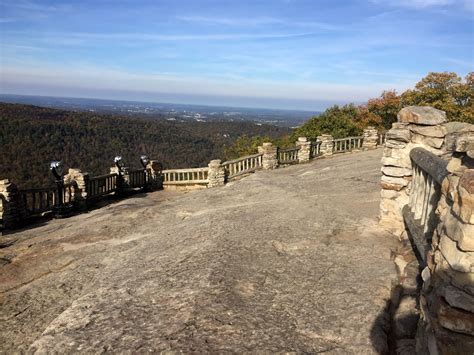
278	54
162	102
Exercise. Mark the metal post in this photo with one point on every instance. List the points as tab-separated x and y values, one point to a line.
60	209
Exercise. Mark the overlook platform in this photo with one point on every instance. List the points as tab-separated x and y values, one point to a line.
284	260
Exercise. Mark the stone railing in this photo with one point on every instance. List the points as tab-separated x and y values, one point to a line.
192	176
347	144
242	166
287	156
427	198
98	186
81	190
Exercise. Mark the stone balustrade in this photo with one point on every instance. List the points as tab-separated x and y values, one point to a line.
82	189
427	197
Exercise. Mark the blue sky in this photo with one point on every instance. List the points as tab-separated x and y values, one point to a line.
299	54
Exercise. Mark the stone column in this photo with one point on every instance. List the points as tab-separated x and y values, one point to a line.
12	208
270	158
154	169
417	126
216	174
80	191
371	138
305	150
327	144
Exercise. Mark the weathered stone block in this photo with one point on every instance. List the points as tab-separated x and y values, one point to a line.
458	260
458	231
398	134
395	144
396	171
455	320
389	161
395	180
454	165
458	298
429	141
463	205
423	115
429	131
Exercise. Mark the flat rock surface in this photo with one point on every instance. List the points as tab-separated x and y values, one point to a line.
283	260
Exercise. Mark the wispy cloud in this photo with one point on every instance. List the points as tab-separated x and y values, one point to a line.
149	37
35	6
255	21
424	4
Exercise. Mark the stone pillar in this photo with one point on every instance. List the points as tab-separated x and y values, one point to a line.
216	174
371	138
154	169
122	179
305	150
12	208
416	127
270	156
327	144
80	191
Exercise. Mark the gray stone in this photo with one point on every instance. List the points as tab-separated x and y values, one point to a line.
459	299
422	115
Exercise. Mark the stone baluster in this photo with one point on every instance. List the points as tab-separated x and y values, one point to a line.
216	174
269	158
305	150
327	144
371	137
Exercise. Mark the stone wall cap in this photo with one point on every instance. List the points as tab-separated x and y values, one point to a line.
423	115
302	139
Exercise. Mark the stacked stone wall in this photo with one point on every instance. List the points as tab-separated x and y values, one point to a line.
447	298
446	301
424	127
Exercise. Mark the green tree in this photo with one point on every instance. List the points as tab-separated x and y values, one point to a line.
338	121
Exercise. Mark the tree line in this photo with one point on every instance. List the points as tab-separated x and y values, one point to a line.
30	137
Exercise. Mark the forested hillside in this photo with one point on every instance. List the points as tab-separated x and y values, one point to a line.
30	137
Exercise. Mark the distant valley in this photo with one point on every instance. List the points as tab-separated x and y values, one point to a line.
32	136
167	111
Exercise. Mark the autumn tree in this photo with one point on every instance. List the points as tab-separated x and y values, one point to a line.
386	107
444	91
